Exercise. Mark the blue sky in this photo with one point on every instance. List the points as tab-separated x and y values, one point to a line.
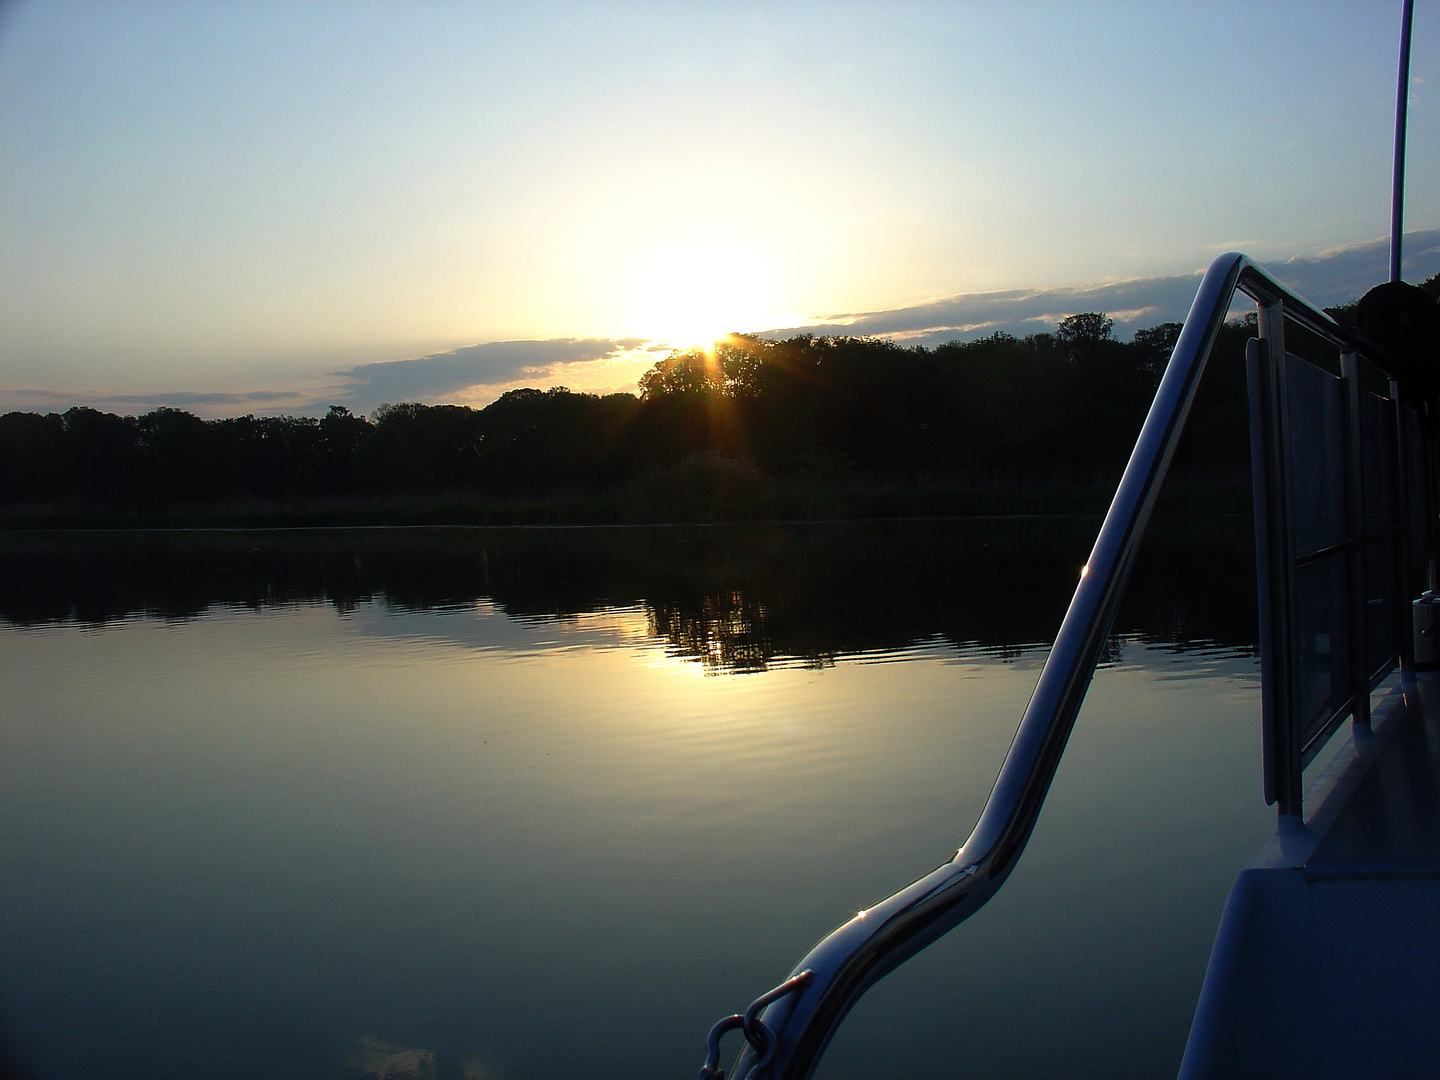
270	206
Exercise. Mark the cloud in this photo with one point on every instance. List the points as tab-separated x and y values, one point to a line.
1344	273
1332	277
445	376
477	374
185	399
1145	301
206	404
473	375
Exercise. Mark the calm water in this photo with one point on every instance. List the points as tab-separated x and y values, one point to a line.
505	805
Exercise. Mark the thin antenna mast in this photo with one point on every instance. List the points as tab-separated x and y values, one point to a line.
1397	182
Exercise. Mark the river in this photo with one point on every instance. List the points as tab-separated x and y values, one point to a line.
516	804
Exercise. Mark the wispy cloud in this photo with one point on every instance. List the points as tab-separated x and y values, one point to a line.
1342	274
184	399
477	374
1332	277
1016	311
447	375
217	403
473	375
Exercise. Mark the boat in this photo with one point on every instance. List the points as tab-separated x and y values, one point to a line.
1324	962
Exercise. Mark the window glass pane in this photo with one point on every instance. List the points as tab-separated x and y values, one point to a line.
1417	467
1322	657
1317	474
1377	445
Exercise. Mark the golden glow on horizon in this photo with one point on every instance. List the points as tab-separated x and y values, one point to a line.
696	294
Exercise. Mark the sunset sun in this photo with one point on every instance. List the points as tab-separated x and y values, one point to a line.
697	294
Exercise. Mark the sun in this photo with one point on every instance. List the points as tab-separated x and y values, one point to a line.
696	294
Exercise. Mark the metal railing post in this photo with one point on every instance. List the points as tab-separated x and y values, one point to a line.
1274	509
1355	528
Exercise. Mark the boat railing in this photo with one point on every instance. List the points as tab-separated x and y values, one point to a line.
1329	565
1340	470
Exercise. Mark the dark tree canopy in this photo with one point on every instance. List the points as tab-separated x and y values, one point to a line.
1051	405
1085	328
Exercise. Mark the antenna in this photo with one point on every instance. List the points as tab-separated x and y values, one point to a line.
1397	182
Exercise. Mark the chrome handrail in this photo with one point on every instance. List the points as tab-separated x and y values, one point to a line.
857	954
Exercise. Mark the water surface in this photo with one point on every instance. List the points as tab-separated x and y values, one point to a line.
539	803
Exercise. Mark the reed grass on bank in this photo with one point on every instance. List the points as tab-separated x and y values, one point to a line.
702	489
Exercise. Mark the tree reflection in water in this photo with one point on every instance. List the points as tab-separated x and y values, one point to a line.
734	598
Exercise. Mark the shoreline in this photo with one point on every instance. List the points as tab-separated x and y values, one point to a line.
699	504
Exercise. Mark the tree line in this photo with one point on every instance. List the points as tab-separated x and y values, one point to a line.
1067	403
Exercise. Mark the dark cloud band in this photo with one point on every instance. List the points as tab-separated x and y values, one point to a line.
1333	277
439	375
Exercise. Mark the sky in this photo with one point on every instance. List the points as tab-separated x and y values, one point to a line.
271	207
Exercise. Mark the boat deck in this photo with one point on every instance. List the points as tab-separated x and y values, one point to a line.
1327	956
1389	826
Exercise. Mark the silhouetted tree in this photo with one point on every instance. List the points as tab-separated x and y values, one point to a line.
1046	404
32	457
342	434
1079	336
100	453
417	447
1010	397
543	439
690	372
177	459
1153	346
